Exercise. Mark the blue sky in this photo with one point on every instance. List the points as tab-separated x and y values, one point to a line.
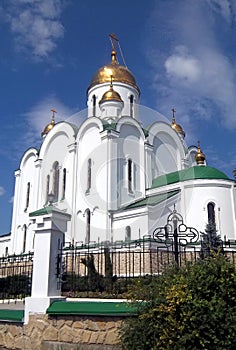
182	53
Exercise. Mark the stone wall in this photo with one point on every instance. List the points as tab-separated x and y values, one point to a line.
45	332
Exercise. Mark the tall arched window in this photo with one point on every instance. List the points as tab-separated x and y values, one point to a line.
130	175
131	105
211	213
94	105
88	219
89	174
24	238
64	184
55	180
47	188
127	233
27	196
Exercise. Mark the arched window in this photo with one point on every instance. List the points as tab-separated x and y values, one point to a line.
24	238
131	105
211	213
130	175
6	251
47	188
55	180
89	175
128	233
27	196
94	105
88	219
64	184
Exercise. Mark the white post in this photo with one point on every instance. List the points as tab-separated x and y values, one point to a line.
49	226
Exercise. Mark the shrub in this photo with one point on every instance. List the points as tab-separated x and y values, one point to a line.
193	307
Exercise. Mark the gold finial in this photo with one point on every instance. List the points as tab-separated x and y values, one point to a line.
178	128
50	125
111	84
200	156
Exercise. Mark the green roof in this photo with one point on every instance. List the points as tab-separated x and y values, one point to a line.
109	126
91	308
193	173
43	211
112	126
11	315
152	200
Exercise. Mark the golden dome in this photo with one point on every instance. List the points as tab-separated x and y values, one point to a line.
50	125
177	127
118	72
200	156
111	95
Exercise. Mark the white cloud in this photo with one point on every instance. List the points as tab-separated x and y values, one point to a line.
2	191
193	70
183	66
36	25
40	114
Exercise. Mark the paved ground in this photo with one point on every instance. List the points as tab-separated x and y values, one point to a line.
12	305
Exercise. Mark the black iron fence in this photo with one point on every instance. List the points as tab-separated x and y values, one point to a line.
108	268
113	267
16	276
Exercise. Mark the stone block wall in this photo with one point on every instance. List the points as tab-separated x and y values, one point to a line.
61	333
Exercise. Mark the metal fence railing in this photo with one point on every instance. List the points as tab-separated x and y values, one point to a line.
112	267
16	276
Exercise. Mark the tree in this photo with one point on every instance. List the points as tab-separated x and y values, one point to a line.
211	242
193	307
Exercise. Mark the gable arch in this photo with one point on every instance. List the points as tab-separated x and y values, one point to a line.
61	129
92	122
30	153
168	149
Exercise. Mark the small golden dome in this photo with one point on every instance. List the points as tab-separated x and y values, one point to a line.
118	72
50	125
200	156
111	95
177	127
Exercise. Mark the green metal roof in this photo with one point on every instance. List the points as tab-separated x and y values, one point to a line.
153	200
11	315
43	211
91	308
193	173
112	126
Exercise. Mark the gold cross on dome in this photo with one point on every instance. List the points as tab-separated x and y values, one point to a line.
173	112
113	39
53	113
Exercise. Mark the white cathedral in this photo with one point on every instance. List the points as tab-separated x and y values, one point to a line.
116	178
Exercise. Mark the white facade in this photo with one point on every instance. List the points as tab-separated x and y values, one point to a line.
109	174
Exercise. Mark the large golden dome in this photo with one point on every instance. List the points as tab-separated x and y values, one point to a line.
119	74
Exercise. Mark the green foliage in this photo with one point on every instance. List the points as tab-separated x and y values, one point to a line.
15	286
211	242
189	308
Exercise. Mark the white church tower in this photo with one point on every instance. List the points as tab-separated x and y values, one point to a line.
115	179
